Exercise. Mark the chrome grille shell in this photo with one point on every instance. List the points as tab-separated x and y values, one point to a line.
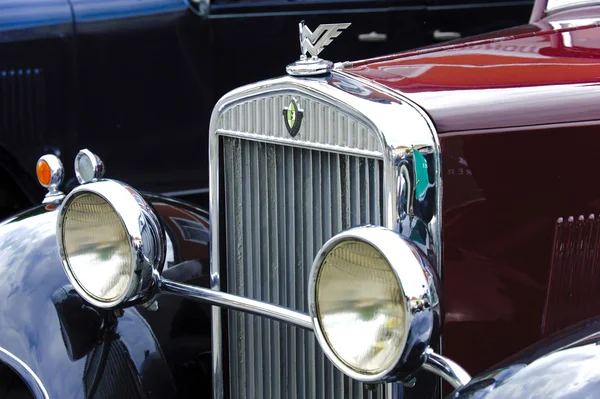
343	116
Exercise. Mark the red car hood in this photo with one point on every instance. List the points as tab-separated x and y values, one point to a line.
542	73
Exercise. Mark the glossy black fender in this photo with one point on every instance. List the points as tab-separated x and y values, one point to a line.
60	345
565	365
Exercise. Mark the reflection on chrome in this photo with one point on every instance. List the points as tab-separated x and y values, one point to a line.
450	371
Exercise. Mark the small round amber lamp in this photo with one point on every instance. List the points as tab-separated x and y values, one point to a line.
44	173
49	171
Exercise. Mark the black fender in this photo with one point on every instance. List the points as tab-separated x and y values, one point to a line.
64	348
18	189
564	365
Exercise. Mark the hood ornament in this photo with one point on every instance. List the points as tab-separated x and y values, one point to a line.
313	43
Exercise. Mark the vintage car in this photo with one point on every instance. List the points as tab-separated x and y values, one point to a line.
375	228
114	75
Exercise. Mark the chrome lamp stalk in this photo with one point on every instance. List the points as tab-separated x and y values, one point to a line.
229	301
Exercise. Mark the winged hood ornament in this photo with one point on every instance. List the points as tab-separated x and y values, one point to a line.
313	42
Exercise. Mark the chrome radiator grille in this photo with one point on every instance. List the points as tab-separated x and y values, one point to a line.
281	204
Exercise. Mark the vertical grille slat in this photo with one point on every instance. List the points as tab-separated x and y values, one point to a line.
274	281
248	248
232	215
281	204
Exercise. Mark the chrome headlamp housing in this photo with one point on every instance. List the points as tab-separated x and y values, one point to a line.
111	244
373	300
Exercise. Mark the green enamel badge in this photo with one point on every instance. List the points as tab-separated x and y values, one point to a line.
421	175
292	117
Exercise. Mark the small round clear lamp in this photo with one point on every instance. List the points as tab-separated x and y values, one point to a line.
88	167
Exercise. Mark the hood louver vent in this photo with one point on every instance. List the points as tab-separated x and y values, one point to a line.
573	281
22	107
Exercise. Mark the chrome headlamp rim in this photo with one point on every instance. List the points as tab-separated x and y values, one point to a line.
134	213
386	242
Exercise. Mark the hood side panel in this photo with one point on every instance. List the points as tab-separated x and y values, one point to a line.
504	193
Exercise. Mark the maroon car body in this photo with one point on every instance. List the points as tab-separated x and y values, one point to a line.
518	118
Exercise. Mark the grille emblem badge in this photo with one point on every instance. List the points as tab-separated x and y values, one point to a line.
292	117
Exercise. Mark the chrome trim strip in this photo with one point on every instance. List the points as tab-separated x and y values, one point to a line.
446	368
20	367
300	144
573	23
229	301
557	5
401	126
215	281
185	192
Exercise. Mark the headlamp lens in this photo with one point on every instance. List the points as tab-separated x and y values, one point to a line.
97	247
360	307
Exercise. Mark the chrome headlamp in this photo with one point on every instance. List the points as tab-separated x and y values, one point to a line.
111	243
373	303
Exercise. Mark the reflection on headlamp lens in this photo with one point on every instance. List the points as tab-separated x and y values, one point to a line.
96	247
360	307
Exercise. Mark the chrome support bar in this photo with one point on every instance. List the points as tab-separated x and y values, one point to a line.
446	368
28	376
235	302
434	363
